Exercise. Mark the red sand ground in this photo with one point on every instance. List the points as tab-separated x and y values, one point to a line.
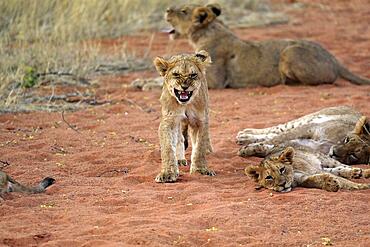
105	193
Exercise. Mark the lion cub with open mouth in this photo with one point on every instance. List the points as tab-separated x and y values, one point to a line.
184	102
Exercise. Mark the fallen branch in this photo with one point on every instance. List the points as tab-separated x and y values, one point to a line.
80	79
131	102
123	171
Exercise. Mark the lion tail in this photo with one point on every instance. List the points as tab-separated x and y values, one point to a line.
17	187
351	77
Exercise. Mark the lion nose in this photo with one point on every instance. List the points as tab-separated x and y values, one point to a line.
184	87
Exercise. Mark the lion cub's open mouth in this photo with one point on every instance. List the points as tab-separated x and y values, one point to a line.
183	96
171	32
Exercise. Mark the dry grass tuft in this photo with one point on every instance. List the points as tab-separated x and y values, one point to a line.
39	37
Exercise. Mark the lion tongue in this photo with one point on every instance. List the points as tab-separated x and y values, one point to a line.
184	95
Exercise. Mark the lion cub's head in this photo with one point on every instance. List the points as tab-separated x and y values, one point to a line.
275	173
184	74
190	17
355	147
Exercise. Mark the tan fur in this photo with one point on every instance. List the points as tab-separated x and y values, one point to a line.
8	184
284	170
354	148
238	63
183	73
340	132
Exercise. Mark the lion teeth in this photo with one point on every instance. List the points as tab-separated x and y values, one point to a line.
184	95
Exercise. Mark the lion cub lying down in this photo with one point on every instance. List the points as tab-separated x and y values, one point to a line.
8	184
340	132
184	102
284	170
238	63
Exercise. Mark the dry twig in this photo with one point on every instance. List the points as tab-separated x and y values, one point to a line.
131	102
123	171
69	125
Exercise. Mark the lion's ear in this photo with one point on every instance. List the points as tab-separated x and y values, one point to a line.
161	65
203	57
287	155
362	126
253	172
203	16
215	8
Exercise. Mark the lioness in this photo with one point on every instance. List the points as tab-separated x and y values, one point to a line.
8	184
238	63
184	102
340	132
284	170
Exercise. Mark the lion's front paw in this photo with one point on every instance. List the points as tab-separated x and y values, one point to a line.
246	151
248	136
182	162
356	172
166	177
255	149
203	171
331	184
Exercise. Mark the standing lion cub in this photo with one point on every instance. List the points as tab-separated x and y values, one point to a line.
184	102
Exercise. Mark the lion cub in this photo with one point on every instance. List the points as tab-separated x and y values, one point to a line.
243	63
340	132
8	184
184	102
283	170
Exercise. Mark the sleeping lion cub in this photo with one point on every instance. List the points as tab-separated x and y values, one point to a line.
184	102
8	184
340	132
283	170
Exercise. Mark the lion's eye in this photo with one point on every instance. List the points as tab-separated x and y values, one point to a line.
174	74
346	140
193	76
184	11
282	170
268	177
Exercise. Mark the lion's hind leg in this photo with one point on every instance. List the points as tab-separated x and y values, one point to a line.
294	129
307	64
182	145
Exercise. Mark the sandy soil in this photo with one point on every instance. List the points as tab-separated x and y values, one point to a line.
105	193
